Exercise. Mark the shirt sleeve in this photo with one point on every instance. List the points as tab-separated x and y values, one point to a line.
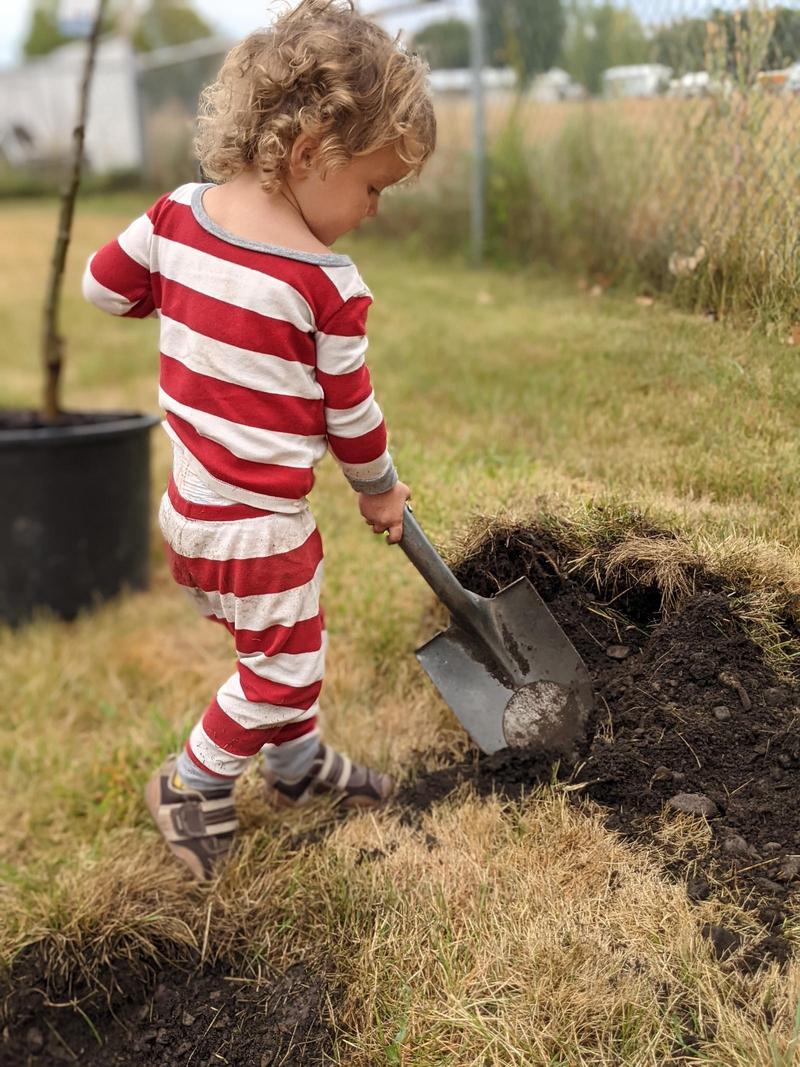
354	423
117	278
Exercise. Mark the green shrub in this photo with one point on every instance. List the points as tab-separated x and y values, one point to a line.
688	197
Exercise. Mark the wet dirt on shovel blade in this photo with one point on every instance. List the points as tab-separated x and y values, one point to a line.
686	708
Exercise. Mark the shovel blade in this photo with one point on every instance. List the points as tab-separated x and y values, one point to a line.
540	694
465	683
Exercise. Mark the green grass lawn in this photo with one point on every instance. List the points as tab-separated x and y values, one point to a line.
504	394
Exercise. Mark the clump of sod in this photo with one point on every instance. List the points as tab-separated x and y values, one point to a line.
625	559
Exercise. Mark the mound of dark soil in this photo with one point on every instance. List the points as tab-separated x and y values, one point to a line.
688	715
178	1019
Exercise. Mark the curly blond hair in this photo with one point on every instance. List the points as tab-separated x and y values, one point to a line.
321	70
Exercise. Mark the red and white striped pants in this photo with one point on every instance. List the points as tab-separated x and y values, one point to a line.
259	574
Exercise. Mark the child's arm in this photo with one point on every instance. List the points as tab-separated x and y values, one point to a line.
117	278
354	422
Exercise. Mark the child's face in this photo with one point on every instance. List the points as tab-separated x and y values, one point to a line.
336	203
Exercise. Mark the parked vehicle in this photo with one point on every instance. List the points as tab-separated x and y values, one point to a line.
786	80
642	79
693	83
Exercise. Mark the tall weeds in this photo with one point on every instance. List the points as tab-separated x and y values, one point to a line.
691	197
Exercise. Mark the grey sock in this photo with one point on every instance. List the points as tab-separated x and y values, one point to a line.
193	777
292	760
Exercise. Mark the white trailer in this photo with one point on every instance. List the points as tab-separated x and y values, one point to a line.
641	79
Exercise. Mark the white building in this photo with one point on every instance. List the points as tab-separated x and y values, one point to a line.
39	100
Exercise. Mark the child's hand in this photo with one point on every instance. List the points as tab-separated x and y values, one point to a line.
384	511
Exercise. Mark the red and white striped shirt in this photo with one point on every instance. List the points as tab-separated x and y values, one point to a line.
262	352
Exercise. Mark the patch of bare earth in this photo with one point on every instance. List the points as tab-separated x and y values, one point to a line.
166	1018
691	723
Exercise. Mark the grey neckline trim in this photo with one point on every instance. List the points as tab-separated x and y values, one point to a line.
322	259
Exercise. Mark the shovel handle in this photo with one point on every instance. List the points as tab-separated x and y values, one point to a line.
459	601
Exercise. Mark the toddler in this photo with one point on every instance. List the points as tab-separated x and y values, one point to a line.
262	341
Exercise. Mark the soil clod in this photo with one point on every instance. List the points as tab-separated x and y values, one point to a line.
618	651
789	870
693	804
724	941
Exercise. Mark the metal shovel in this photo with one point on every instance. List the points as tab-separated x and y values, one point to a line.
504	665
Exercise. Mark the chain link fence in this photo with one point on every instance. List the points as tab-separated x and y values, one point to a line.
168	86
661	147
665	148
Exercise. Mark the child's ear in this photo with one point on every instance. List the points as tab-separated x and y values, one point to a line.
302	155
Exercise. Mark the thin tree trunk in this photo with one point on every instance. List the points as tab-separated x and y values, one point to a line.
52	341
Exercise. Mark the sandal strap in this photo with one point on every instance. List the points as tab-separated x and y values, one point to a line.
328	760
335	771
331	773
344	775
207	818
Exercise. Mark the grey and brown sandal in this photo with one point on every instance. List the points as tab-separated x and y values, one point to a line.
333	775
199	828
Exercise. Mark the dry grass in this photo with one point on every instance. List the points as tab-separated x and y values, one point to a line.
492	933
630	189
528	934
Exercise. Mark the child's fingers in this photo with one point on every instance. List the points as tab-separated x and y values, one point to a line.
395	533
393	529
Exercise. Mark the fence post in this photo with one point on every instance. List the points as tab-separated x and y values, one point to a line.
478	205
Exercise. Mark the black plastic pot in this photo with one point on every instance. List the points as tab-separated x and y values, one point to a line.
74	513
